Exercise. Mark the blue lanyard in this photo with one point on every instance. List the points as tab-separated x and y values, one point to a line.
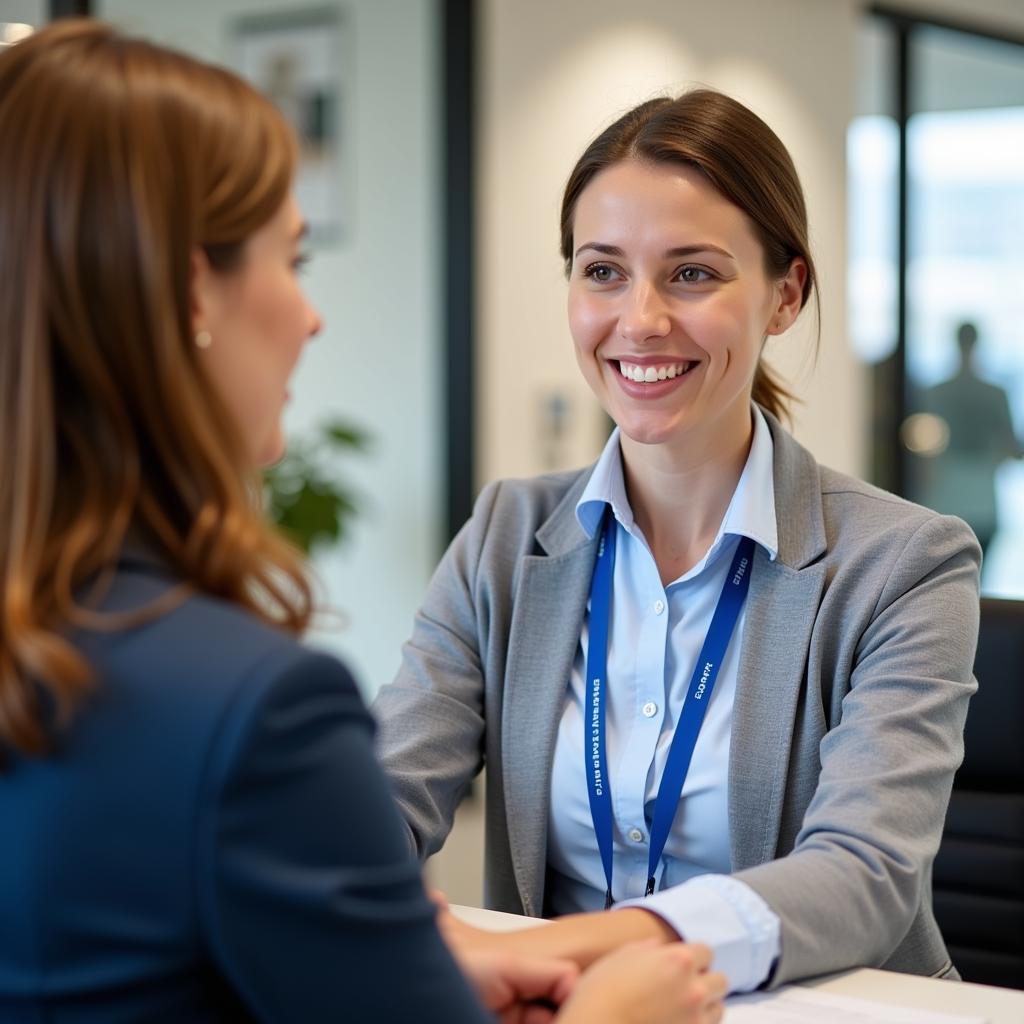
698	696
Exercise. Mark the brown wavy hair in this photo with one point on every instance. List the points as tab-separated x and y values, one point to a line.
119	160
740	156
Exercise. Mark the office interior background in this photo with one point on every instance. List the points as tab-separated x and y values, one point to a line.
447	131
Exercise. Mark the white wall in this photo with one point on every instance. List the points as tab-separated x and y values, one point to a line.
378	360
27	12
553	75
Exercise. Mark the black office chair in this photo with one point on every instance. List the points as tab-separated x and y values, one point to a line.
978	879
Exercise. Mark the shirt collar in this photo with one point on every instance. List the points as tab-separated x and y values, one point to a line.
751	512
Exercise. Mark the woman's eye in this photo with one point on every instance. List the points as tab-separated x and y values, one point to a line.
301	262
691	274
599	272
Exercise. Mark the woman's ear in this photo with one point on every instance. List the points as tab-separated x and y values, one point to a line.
204	291
789	297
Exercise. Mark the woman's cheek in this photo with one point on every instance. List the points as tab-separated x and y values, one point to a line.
587	322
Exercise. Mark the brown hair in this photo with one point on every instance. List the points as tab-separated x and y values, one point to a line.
741	157
118	159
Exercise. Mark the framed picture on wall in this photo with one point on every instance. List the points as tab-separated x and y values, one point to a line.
299	60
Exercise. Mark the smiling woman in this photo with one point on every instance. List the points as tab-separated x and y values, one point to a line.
714	683
669	305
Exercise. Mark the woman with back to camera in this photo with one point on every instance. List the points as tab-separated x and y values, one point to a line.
710	679
195	828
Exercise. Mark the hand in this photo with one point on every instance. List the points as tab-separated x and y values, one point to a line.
582	938
520	989
645	983
462	938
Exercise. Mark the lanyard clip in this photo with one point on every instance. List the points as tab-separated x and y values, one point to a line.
650	886
608	901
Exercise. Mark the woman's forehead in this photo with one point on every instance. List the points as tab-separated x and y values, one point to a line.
672	205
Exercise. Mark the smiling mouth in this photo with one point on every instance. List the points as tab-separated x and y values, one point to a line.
651	374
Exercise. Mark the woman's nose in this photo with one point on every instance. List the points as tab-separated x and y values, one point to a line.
315	324
644	315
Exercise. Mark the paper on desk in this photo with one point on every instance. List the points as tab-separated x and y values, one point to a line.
806	1006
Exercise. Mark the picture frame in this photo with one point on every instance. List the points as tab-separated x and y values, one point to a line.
298	59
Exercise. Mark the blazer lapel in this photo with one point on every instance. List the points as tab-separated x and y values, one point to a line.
781	610
547	618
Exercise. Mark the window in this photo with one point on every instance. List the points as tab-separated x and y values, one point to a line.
936	161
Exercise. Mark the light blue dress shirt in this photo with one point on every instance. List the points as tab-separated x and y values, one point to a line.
655	636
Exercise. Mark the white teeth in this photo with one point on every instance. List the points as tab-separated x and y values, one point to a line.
651	374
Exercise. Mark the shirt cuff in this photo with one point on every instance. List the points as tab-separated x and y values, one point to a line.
728	916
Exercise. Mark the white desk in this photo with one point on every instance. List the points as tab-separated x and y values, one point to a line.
999	1005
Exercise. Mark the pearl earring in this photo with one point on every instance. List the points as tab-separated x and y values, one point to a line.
203	339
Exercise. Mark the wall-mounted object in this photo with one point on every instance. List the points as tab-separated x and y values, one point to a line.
298	59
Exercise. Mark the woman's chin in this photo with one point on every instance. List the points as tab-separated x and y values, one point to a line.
272	450
644	431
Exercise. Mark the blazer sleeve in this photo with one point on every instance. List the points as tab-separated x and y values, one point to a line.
311	906
860	869
440	688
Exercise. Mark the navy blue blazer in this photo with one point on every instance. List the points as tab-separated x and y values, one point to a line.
212	840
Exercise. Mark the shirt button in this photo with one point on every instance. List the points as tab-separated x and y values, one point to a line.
636	835
650	709
659	606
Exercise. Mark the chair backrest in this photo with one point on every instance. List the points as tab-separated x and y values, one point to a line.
978	880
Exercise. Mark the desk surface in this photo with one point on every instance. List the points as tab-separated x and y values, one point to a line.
998	1005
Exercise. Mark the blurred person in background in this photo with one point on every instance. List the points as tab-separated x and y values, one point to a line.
976	436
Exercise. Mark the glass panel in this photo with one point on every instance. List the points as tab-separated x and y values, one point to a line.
965	282
872	164
872	147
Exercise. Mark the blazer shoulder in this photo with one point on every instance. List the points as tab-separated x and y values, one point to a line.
536	497
849	496
247	647
885	528
203	649
843	491
512	512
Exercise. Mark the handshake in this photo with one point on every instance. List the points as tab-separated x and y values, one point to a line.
562	972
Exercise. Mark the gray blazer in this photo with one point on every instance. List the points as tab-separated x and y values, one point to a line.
854	679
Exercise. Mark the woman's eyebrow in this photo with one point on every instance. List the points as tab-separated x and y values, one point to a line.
607	250
691	250
681	250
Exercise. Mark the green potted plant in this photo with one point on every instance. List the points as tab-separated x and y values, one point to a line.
304	494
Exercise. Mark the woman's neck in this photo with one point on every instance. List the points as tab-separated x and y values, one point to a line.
679	494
